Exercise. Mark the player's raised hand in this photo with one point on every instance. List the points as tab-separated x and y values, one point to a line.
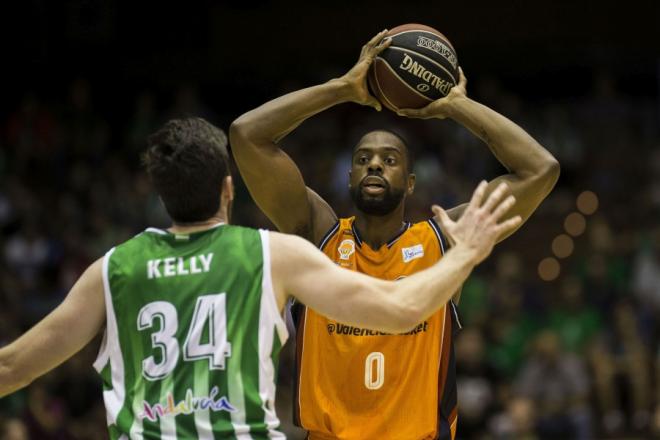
440	108
480	226
356	78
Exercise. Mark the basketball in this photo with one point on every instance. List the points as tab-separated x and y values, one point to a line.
419	67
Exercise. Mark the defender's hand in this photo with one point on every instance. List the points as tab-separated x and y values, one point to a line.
478	228
439	108
356	78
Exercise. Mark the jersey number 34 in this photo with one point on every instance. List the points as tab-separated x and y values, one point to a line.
210	310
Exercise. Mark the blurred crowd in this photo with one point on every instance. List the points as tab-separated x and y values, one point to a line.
576	356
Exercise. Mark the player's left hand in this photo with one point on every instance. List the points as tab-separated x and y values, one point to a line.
482	221
440	108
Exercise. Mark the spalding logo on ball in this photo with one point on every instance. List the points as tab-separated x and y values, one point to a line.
419	67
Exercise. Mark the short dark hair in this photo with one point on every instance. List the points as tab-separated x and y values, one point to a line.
187	161
410	159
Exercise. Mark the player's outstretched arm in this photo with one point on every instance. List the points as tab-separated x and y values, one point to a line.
533	171
300	270
60	335
273	179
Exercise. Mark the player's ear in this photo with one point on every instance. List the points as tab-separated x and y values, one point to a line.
228	188
412	178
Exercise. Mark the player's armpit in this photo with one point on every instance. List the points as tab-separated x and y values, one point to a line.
61	334
323	216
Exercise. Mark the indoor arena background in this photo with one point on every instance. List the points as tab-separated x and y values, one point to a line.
577	289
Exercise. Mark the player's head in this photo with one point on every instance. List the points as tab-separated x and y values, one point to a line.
188	163
381	172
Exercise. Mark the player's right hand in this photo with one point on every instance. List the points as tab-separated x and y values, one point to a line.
478	228
440	108
356	78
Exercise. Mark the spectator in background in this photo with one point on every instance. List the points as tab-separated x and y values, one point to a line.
13	429
620	362
512	327
656	416
517	421
32	135
557	382
646	270
603	268
47	414
575	321
143	122
86	132
477	383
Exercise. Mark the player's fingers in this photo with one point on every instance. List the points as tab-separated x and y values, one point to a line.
478	195
442	216
387	41
421	113
508	225
494	197
379	36
409	113
503	207
462	80
373	102
384	44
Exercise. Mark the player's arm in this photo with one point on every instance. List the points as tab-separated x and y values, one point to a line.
273	179
533	171
300	270
60	335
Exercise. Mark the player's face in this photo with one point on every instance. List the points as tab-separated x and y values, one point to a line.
379	180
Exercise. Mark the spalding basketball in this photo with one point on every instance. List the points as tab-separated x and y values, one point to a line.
419	67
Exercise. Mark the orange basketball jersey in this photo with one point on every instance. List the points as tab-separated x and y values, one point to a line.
357	384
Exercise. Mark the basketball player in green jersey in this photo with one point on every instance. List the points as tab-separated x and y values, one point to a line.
192	314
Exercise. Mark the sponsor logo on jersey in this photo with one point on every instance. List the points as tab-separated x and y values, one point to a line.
412	253
346	249
188	405
349	330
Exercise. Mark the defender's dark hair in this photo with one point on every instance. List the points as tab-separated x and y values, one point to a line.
410	159
187	161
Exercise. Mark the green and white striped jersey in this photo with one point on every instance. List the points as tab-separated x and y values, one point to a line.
193	336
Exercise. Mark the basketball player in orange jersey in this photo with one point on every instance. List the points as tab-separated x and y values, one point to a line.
353	383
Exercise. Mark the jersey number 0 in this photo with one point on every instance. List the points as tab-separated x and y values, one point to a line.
374	370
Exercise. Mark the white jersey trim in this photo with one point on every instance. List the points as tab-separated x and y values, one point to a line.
270	320
267	287
164	232
111	351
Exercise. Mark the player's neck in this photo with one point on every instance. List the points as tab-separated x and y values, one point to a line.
188	228
378	230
